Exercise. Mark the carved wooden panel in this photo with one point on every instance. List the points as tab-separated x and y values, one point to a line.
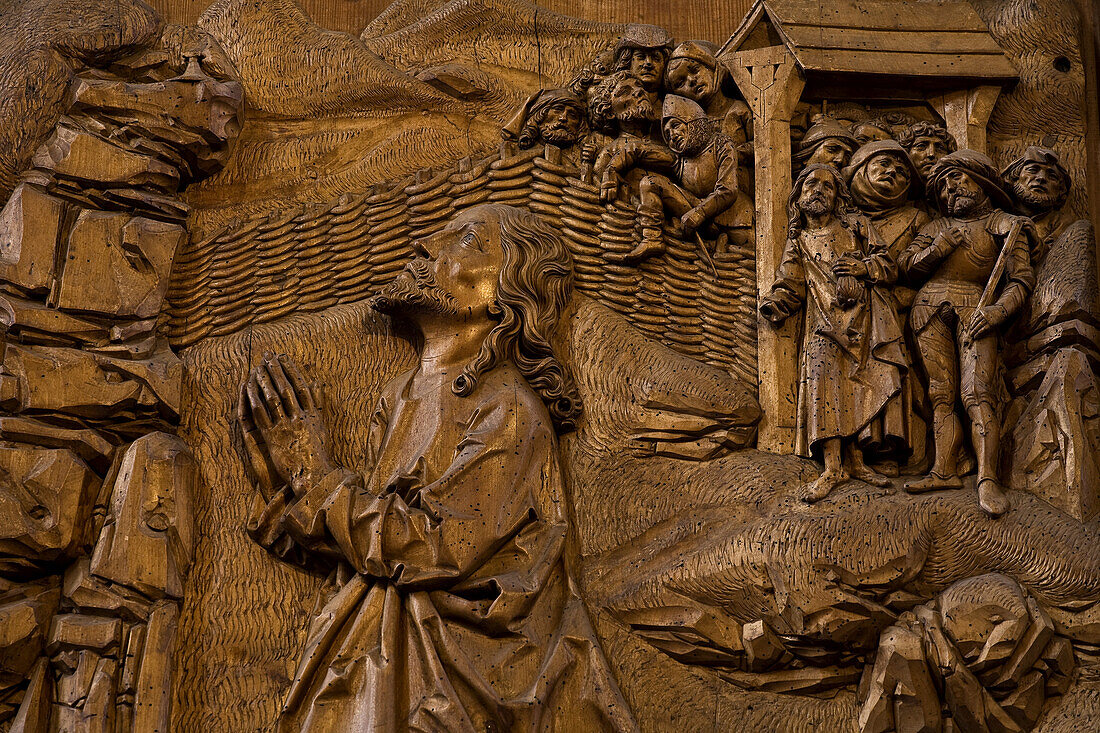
481	365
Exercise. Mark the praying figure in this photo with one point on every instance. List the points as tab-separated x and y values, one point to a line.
455	606
852	358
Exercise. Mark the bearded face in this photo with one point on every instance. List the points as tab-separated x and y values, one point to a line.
686	137
560	124
415	290
632	103
888	176
818	195
1039	187
961	193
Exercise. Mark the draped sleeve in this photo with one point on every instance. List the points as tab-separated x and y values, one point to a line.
425	534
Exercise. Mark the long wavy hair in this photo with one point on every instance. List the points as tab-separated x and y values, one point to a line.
536	280
845	207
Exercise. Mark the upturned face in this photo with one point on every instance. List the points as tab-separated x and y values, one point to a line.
926	152
454	273
888	175
648	65
691	79
632	102
1039	186
832	151
961	193
561	124
818	194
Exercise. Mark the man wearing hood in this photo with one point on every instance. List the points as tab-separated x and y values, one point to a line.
695	179
550	116
695	72
827	142
881	177
958	311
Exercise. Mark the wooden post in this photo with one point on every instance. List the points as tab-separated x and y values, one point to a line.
771	83
966	114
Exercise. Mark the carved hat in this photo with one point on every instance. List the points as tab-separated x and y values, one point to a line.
871	149
821	131
641	35
536	103
681	108
704	52
976	165
1036	154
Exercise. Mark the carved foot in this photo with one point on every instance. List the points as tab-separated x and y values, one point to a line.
992	498
933	482
868	475
644	250
825	483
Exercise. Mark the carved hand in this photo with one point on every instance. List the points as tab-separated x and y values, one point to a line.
983	321
772	312
953	237
851	267
278	403
609	186
692	220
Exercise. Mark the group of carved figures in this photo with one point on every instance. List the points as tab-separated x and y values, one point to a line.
906	300
908	257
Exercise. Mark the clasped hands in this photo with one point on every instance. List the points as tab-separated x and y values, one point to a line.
284	431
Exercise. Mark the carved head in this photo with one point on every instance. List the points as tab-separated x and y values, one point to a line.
643	52
818	190
1038	182
927	144
621	98
510	268
964	182
555	116
869	132
694	72
828	142
685	125
880	175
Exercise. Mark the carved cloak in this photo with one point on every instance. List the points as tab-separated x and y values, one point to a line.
852	359
459	613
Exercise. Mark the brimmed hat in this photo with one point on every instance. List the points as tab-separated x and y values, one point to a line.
871	149
822	131
976	165
641	35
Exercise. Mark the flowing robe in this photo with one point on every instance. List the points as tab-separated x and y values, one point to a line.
852	359
455	610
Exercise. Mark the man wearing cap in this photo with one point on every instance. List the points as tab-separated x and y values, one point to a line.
1040	186
959	310
696	73
702	161
880	178
548	117
827	142
643	51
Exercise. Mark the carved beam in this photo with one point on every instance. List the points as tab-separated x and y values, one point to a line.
771	83
966	113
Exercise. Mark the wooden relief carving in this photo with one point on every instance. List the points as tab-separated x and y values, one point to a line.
498	369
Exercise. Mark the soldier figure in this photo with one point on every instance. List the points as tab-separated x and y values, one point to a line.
696	73
962	257
703	162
